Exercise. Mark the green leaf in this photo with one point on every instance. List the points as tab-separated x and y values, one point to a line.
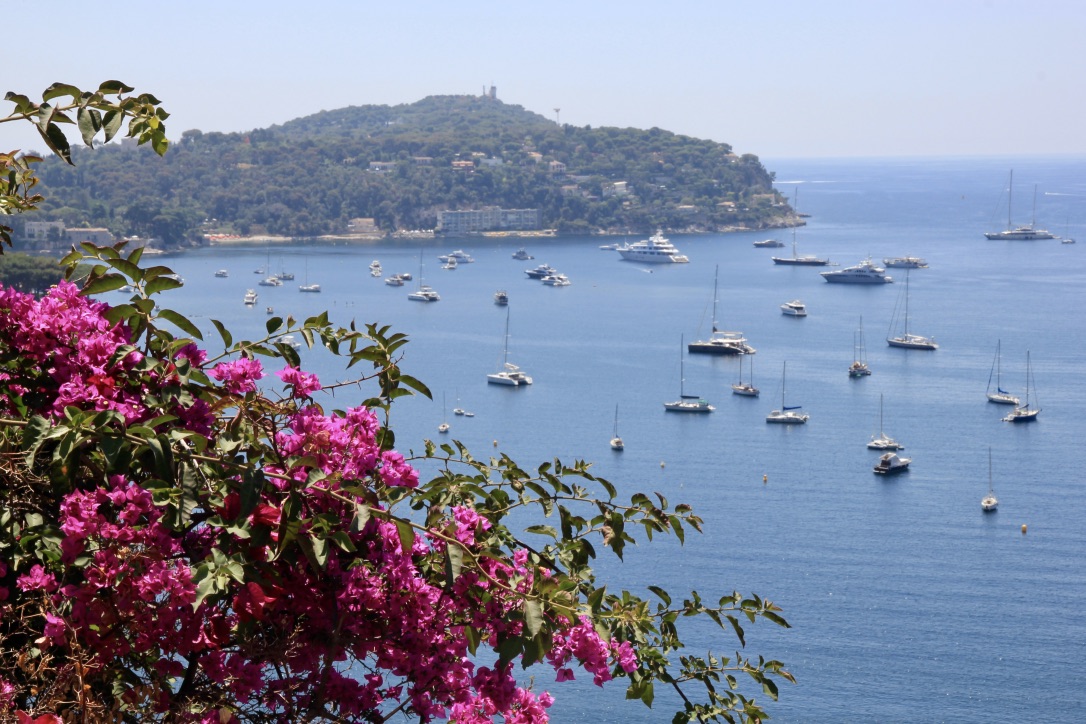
90	122
181	322
661	594
227	338
533	615
161	284
105	283
407	535
112	123
454	560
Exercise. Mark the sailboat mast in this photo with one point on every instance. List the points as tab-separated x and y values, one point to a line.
716	276
1010	197
505	352
784	377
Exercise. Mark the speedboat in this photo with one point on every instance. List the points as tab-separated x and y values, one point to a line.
450	263
863	273
222	273
769	243
891	464
394	281
312	288
270	282
250	297
906	262
501	297
609	247
522	255
556	280
424	293
654	250
543	270
794	308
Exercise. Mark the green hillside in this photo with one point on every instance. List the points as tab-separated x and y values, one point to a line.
403	165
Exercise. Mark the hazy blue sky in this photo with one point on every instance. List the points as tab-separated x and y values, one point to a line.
777	78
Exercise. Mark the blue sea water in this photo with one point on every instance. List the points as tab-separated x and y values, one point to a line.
907	602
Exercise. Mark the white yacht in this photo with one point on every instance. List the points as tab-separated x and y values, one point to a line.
794	308
882	441
509	374
654	250
720	341
543	270
906	340
394	281
891	464
450	263
787	415
686	403
459	256
769	243
270	282
501	297
222	273
863	273
522	254
556	280
905	262
425	293
1020	233
250	297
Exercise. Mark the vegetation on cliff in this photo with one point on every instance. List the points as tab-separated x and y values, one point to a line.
403	165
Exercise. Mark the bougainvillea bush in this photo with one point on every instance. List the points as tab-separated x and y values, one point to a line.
189	532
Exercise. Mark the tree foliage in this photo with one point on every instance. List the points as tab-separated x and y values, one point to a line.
311	176
181	540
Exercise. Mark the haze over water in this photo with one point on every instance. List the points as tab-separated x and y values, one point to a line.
907	602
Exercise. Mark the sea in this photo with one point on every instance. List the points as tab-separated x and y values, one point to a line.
907	603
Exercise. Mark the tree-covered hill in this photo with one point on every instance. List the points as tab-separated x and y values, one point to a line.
403	165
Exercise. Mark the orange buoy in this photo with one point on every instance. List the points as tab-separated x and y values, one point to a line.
1023	529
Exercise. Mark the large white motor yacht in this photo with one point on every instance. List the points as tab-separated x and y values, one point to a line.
863	273
654	250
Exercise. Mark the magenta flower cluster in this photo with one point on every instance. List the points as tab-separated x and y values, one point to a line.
364	621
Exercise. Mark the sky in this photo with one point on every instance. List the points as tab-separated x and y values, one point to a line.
774	78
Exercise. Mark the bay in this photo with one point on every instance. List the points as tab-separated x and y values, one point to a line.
906	601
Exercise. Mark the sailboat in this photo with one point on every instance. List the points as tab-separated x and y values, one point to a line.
1021	233
458	410
883	441
616	441
686	403
444	426
787	415
509	374
859	367
1025	413
795	260
747	390
906	340
1000	396
424	293
989	502
721	342
307	287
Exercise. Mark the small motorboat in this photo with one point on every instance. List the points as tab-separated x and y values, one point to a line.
891	464
794	308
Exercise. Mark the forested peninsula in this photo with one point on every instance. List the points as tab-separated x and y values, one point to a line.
390	169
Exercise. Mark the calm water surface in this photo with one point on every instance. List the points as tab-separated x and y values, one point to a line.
908	603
